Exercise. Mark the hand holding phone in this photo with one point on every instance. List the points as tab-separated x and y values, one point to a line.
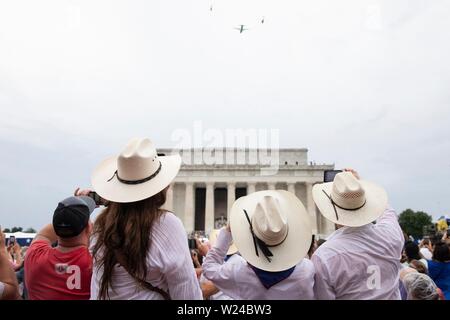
192	243
98	200
328	175
354	172
11	241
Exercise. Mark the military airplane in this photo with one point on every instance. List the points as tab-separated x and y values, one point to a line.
241	28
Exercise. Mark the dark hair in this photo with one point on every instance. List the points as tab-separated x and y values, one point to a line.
405	236
419	266
320	242
412	251
426	242
125	229
312	246
199	257
441	252
436	238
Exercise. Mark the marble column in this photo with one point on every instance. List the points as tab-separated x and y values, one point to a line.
251	187
231	197
291	187
209	207
311	207
189	207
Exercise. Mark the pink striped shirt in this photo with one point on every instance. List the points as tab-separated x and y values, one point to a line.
237	280
360	263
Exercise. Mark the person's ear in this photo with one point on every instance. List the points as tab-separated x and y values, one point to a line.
89	228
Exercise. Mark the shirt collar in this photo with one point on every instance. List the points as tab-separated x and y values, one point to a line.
348	230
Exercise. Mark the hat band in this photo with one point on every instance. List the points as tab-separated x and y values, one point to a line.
336	205
136	181
257	242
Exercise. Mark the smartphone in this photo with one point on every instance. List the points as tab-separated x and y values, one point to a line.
12	240
328	175
192	244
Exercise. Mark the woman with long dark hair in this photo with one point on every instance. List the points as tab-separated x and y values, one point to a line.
140	250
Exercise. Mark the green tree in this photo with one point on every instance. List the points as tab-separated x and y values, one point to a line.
16	229
30	230
7	230
413	223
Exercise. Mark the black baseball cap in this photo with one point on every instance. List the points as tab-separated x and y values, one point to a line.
72	216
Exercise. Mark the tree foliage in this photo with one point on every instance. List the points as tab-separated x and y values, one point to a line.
414	222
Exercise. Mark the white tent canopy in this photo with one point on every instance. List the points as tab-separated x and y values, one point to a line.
20	235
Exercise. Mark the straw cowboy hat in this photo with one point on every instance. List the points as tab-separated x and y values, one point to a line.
349	201
213	239
271	229
135	174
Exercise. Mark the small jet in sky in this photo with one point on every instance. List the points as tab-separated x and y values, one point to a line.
241	28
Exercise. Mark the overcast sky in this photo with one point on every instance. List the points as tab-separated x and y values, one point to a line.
360	83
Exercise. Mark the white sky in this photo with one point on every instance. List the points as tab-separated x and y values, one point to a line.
361	83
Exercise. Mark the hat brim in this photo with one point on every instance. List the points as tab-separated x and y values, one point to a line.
213	239
116	191
376	202
293	249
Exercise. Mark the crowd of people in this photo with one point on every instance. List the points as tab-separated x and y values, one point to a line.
135	249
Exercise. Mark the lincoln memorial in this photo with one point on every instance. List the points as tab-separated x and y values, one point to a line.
210	180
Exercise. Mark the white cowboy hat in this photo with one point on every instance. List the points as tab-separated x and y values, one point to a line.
137	173
349	201
279	220
213	239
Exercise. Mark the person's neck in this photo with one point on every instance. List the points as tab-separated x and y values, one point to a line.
66	247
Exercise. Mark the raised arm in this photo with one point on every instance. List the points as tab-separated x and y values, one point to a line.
388	222
47	234
214	268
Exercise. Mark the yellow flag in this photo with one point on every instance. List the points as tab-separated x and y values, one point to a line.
442	225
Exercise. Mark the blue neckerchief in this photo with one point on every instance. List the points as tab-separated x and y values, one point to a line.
269	279
227	257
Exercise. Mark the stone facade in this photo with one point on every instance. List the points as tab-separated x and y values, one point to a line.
211	179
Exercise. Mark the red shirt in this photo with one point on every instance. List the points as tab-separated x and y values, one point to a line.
54	275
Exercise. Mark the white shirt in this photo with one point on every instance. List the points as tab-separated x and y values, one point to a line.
406	264
220	295
2	289
169	266
359	263
426	253
237	280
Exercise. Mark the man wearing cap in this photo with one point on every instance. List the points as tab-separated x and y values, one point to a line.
360	260
62	272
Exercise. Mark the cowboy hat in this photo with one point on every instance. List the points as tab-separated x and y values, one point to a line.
271	229
213	239
349	201
137	173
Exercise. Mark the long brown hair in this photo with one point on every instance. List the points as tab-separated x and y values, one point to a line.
125	229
